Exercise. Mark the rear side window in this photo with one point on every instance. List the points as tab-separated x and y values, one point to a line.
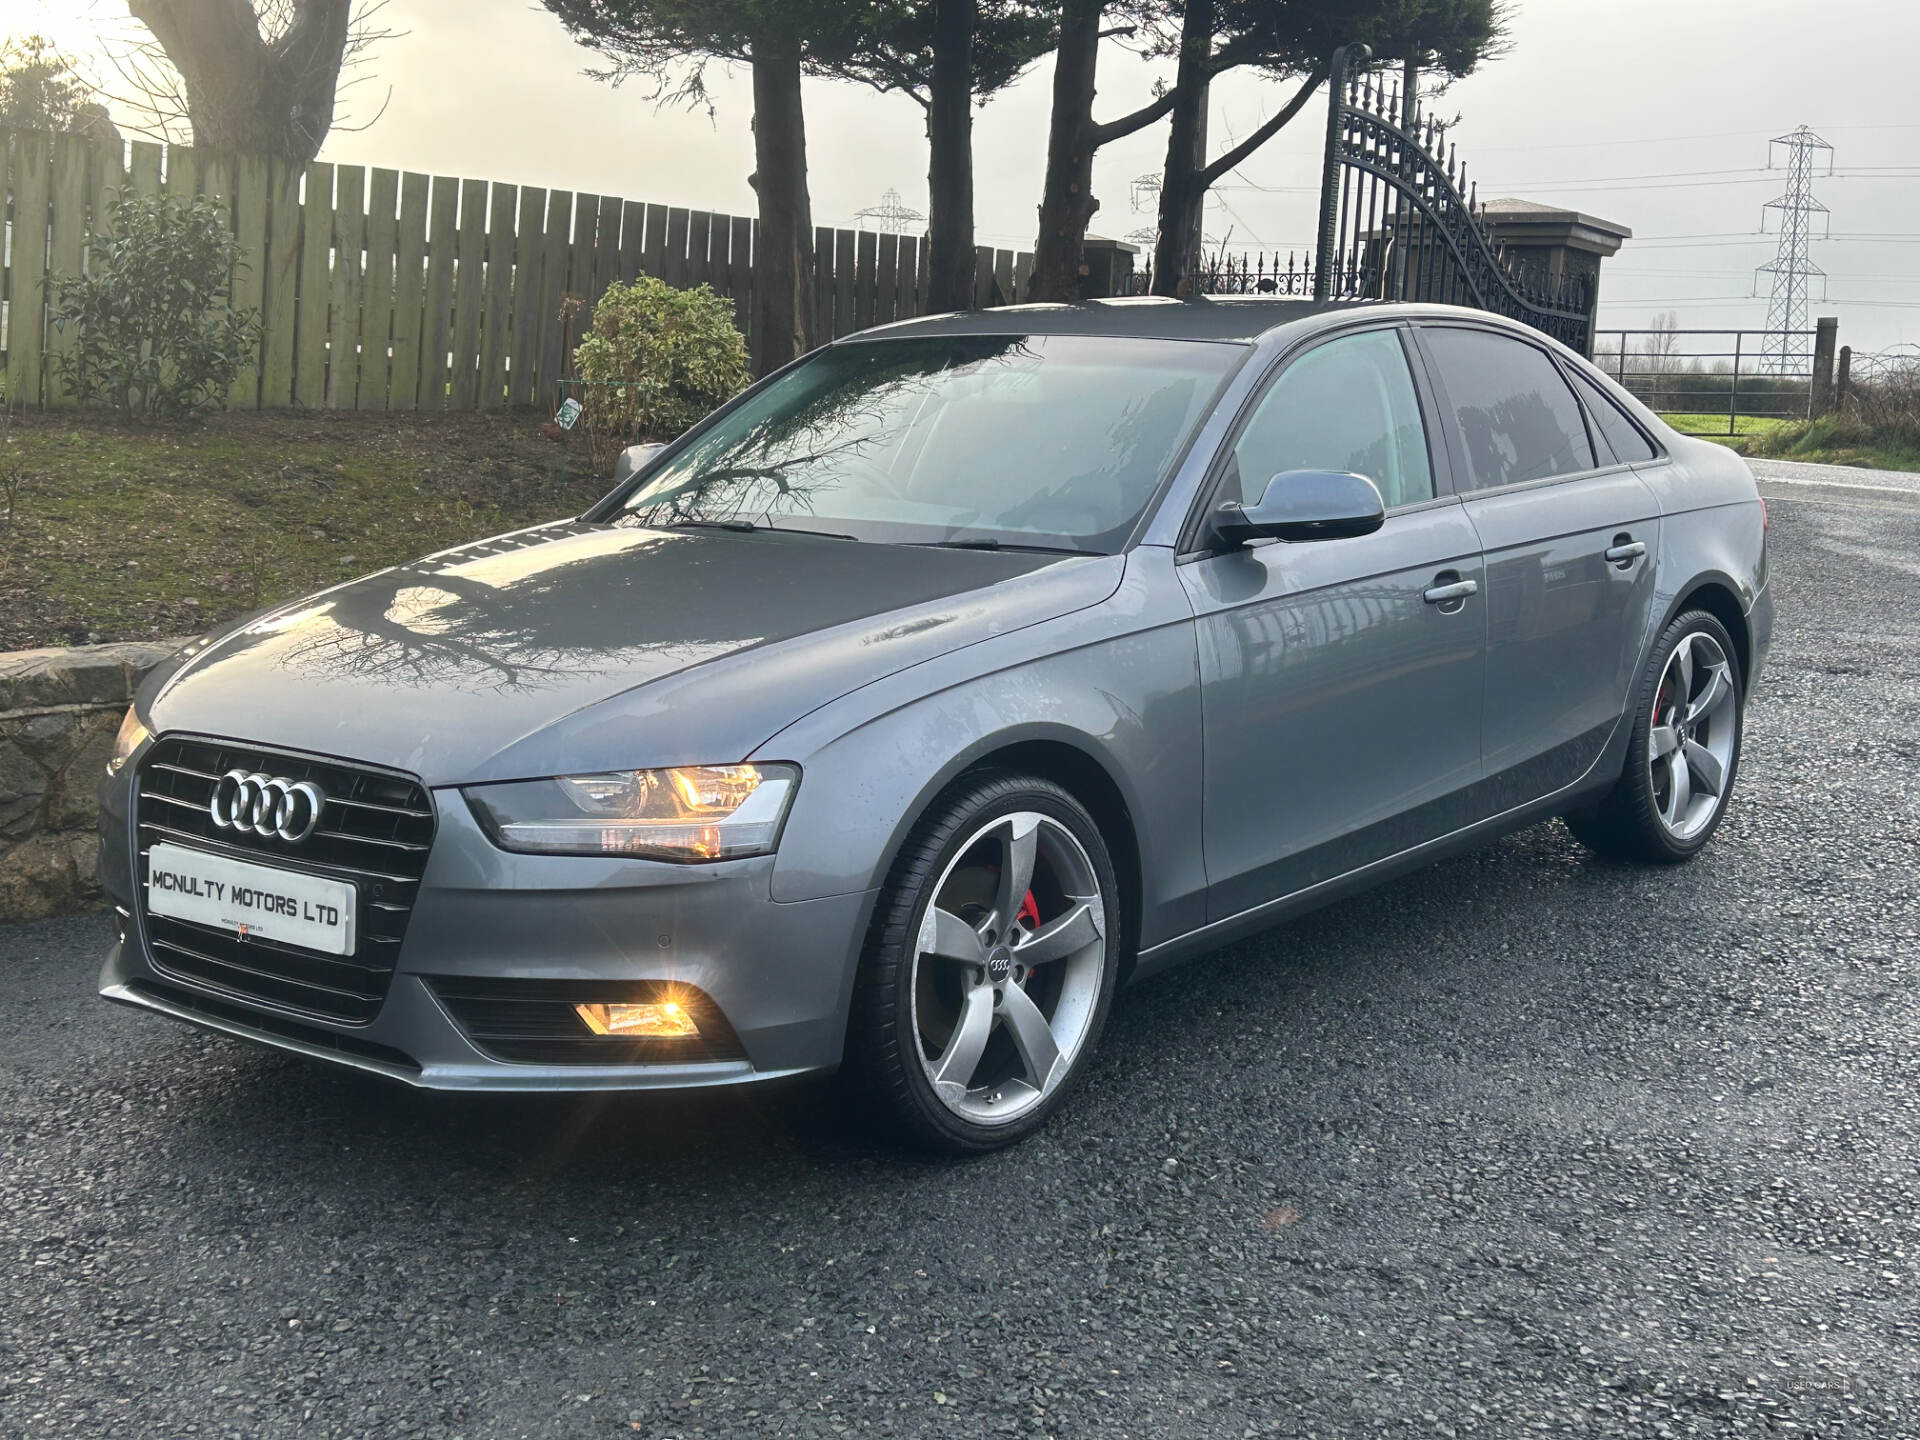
1512	413
1621	433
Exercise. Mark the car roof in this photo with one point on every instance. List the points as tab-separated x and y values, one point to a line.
1224	317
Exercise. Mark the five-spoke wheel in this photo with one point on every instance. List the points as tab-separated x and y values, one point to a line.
1682	754
1691	735
991	964
1007	967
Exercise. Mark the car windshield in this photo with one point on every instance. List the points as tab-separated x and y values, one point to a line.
1035	440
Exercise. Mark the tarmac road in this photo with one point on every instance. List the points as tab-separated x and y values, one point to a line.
1526	1144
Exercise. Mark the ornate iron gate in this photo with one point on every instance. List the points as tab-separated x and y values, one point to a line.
1399	221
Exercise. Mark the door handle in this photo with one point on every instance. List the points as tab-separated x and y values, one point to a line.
1456	590
1625	554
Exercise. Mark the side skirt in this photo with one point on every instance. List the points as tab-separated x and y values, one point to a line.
1169	953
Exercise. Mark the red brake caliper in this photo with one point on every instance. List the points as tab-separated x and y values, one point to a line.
1029	913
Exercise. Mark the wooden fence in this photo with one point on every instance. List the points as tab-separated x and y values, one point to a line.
387	290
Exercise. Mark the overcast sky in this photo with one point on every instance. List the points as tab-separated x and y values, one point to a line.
1654	113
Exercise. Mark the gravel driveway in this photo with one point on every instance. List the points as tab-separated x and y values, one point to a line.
1525	1144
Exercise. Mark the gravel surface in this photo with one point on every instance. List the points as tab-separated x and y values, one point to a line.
1526	1144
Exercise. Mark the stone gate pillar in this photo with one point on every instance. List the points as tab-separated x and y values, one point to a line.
1557	244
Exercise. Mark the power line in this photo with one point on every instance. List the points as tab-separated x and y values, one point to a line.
1548	186
1829	301
1890	239
1657	175
1661	139
1629	271
1602	144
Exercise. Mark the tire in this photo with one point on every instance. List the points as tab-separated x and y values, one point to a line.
1657	811
941	1037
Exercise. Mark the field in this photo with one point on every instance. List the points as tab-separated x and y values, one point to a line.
1714	426
1828	441
113	533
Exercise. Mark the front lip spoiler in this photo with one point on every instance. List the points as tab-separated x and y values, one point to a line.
492	1076
124	994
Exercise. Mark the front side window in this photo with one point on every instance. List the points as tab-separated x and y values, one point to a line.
1043	440
1513	415
1346	405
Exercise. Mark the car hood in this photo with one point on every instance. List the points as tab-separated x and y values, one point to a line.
577	647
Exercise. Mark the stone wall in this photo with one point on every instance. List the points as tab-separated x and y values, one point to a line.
59	710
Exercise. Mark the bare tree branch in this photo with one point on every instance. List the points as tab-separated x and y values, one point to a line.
260	76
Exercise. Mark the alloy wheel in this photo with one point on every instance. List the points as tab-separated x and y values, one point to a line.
1693	730
1007	968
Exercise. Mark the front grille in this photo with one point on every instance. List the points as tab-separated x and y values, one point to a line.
375	830
533	1022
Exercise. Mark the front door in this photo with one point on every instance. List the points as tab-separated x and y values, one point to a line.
1340	679
1569	534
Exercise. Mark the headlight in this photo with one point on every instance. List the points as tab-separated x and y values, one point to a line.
699	813
131	737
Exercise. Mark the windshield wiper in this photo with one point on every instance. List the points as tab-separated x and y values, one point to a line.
987	542
748	527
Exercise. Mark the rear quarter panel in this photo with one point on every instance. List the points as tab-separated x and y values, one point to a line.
1713	527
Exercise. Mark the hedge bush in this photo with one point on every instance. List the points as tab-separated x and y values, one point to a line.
656	360
156	333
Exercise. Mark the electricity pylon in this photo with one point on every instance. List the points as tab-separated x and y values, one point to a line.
1787	349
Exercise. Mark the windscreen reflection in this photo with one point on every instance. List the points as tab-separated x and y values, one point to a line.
1050	440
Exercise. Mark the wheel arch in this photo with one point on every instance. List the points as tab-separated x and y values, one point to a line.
1072	762
1720	598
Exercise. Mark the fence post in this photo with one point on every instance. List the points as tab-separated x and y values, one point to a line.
1843	383
1826	334
1733	390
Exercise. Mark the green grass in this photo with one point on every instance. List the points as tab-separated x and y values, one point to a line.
1830	440
1696	423
1746	428
125	533
1845	440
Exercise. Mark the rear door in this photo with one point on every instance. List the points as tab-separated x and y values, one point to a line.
1569	535
1340	679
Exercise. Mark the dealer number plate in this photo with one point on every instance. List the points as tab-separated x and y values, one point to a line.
259	902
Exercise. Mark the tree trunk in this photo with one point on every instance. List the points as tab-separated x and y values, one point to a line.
1183	191
950	158
244	95
1066	200
783	278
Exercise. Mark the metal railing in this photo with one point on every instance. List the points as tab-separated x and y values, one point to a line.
1710	382
1232	273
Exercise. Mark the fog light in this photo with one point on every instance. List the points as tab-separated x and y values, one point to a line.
663	1017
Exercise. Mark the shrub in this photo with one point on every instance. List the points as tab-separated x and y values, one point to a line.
1877	423
656	360
156	334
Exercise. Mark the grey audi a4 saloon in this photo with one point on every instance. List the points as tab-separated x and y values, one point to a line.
901	711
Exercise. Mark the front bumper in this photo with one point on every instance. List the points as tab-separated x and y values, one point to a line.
781	973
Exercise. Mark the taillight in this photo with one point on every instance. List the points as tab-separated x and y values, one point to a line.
1763	514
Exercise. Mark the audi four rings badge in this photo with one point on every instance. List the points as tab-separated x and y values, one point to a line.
267	805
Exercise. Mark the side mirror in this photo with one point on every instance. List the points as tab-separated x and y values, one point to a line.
629	460
1303	505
